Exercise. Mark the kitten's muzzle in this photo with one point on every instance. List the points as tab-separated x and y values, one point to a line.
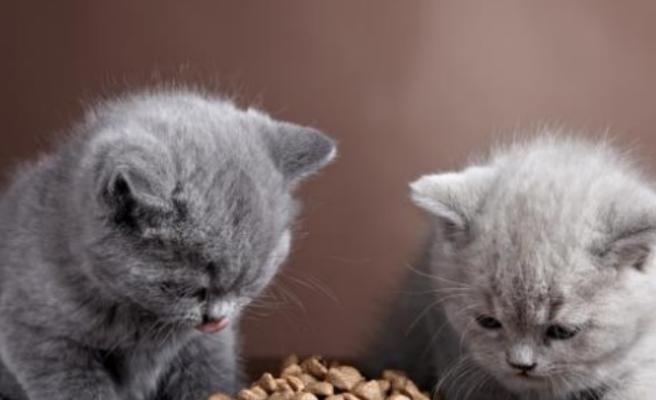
521	358
523	367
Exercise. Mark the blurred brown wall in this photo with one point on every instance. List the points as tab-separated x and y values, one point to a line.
405	86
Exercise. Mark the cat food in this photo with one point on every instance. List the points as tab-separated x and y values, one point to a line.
316	379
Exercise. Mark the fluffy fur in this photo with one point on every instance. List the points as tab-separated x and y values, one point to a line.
165	210
538	281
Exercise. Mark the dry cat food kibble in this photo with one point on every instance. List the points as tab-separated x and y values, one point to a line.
315	379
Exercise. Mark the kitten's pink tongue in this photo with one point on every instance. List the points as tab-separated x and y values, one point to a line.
213	326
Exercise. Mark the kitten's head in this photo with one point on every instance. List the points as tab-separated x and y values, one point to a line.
188	205
543	261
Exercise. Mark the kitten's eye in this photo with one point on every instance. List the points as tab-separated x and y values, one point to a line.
488	322
559	332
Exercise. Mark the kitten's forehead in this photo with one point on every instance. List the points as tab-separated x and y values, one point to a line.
227	189
233	210
525	298
529	275
532	286
540	216
568	193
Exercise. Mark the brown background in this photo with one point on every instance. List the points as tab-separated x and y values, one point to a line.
405	86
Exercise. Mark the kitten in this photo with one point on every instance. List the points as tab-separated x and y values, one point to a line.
538	281
127	256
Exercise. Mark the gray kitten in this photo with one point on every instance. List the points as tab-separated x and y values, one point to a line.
539	280
127	256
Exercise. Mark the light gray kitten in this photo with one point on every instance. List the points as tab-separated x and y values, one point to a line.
539	280
127	256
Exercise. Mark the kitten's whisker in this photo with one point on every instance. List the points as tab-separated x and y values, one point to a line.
453	289
450	370
287	296
323	287
434	276
419	317
425	311
464	334
446	323
272	297
313	286
270	302
286	299
263	305
464	377
486	378
293	297
439	290
256	312
255	317
474	375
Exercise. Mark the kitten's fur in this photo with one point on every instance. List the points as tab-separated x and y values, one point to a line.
165	210
555	230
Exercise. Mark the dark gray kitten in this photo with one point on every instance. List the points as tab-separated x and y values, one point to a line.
539	281
127	256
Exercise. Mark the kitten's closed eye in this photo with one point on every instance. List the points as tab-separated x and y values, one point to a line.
183	291
488	322
560	332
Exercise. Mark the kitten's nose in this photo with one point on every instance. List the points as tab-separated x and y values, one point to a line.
521	357
523	367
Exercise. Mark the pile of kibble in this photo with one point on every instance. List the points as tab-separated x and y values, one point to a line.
315	379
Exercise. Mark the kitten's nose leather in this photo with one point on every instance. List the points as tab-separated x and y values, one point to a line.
523	367
521	356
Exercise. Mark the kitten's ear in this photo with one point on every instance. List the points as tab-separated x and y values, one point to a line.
133	198
300	151
630	223
631	249
453	197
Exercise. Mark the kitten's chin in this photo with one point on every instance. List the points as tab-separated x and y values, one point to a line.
524	383
538	384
